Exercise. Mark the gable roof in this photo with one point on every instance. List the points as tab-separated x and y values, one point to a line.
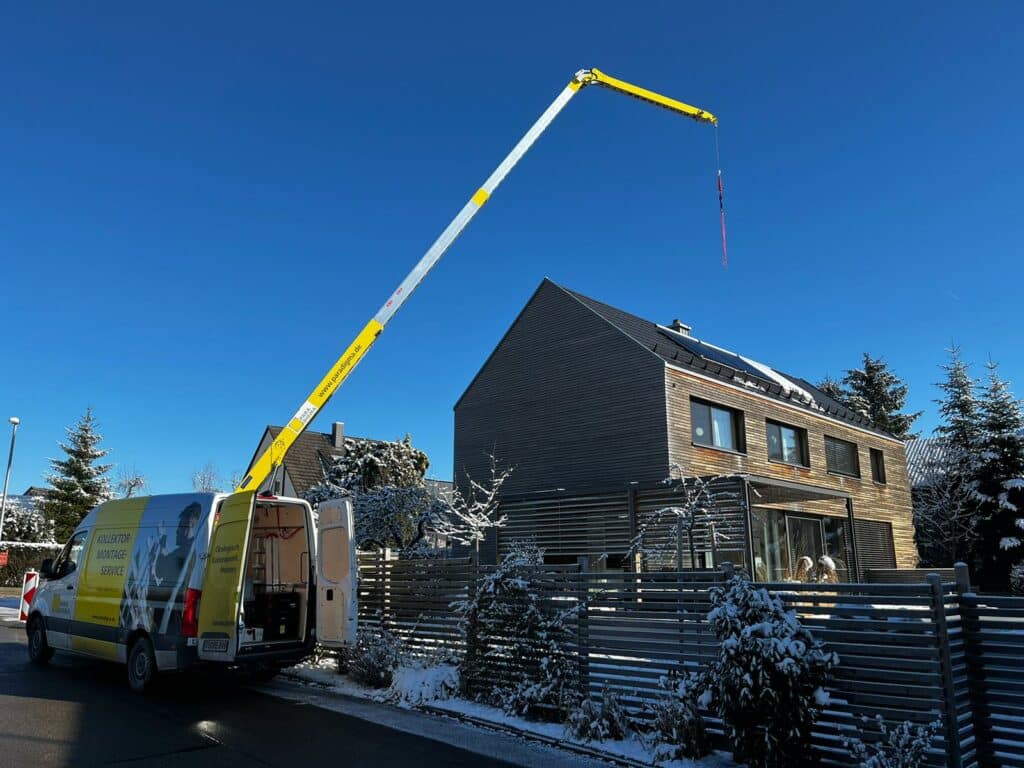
692	354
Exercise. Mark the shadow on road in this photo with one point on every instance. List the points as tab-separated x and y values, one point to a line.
80	712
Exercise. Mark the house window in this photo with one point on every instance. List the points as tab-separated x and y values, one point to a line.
877	465
716	426
787	444
841	457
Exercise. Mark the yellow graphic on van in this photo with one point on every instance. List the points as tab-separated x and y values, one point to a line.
101	584
222	585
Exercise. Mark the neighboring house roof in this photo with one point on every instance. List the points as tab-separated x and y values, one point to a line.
35	490
313	452
440	489
924	455
690	353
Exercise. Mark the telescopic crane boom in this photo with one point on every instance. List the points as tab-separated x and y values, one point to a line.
274	455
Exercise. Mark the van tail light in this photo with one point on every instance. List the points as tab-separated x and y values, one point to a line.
190	618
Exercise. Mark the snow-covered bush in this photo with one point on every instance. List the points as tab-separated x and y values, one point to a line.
676	720
421	682
904	746
604	720
376	656
369	464
768	681
25	522
1017	579
517	652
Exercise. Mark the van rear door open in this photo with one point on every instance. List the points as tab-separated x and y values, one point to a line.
222	585
336	582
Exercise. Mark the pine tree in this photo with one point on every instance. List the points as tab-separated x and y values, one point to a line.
960	411
77	483
879	394
998	474
833	389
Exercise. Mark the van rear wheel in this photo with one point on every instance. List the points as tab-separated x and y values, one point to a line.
39	651
141	665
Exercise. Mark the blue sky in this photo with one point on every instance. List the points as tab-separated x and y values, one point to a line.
200	207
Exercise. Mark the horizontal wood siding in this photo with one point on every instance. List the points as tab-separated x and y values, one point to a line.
872	501
566	399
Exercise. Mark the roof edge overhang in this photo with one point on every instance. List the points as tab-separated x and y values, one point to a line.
794	491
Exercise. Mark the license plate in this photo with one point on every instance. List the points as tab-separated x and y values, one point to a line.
215	645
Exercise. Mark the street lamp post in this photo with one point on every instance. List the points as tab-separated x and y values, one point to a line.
15	421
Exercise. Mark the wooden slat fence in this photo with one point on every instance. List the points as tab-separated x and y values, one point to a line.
994	634
904	575
921	651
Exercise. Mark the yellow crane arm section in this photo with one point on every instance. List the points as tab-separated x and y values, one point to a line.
273	456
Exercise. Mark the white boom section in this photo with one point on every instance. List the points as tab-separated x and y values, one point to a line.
273	456
470	209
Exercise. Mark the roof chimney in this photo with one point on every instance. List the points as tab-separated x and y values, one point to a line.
338	434
680	327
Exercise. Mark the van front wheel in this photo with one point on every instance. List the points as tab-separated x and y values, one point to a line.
39	651
141	665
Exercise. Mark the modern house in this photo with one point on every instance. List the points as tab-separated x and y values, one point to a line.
594	407
309	458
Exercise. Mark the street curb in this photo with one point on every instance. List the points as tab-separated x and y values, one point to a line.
478	722
567	746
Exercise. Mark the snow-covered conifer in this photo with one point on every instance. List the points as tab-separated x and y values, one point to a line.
78	483
833	389
998	474
767	683
879	394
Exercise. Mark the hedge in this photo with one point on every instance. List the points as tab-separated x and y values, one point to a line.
21	557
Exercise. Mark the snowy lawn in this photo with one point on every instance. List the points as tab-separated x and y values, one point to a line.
10	608
435	688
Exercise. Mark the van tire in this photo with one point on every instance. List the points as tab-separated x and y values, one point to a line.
39	651
141	665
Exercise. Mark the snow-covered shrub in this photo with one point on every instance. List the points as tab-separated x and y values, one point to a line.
904	746
421	683
369	464
1017	579
517	655
376	656
25	522
604	720
676	720
767	683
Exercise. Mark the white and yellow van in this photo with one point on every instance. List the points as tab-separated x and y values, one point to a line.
165	582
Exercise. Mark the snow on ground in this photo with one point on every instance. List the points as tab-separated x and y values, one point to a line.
10	608
435	687
9	614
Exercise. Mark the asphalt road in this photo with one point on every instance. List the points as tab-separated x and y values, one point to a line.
77	712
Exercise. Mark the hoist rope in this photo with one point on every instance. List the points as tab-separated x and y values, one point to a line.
721	200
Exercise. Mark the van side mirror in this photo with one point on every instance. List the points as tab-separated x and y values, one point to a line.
46	569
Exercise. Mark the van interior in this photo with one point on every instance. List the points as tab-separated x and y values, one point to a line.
276	588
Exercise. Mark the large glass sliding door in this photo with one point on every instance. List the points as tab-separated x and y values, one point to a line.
785	542
806	541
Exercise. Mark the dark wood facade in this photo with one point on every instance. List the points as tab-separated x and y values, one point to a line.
562	419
